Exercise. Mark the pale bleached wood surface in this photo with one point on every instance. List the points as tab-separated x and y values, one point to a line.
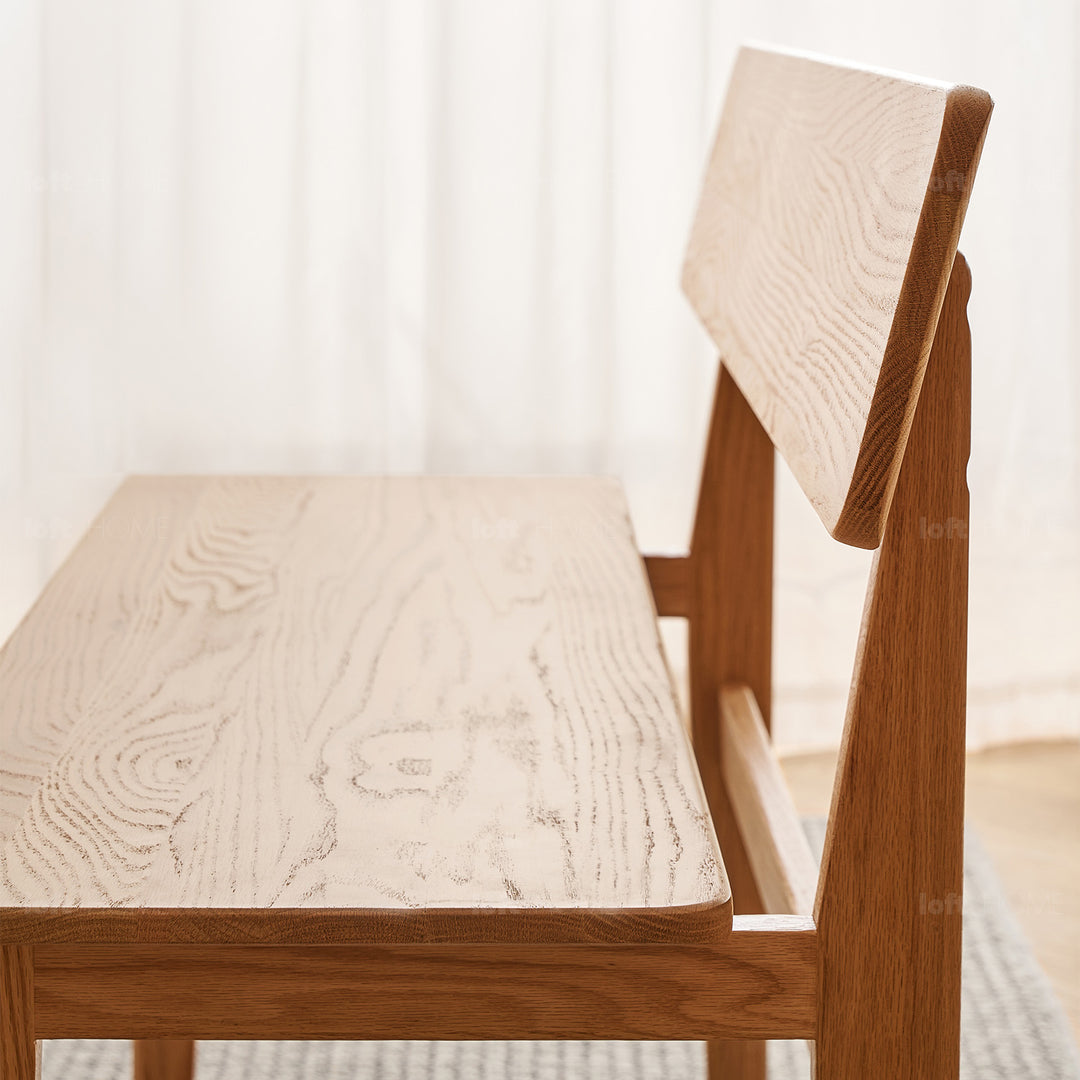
349	709
95	608
818	260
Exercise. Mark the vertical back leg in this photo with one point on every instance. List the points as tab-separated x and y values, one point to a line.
731	634
164	1059
888	904
20	1054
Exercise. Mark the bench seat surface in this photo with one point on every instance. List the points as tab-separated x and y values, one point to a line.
351	709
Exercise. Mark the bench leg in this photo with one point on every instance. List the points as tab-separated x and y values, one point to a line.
164	1059
737	1060
731	635
20	1054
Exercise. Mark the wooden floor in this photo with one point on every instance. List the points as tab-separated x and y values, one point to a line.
1025	803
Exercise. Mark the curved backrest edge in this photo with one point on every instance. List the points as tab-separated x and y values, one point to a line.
896	394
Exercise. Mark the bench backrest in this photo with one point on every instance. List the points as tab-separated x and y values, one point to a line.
819	257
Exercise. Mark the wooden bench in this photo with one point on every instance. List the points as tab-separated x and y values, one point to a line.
400	757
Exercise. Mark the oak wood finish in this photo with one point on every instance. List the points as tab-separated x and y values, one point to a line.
670	580
730	631
1024	802
407	749
164	1059
783	865
737	1059
761	979
888	905
354	710
731	600
828	219
19	1053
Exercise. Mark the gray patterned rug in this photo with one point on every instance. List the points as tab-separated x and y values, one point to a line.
1012	1029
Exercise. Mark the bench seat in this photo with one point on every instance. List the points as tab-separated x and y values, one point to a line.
351	710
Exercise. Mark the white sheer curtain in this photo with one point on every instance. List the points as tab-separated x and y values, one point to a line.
333	235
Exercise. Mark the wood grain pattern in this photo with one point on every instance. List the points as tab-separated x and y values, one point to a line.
731	629
760	980
889	900
19	1053
352	710
101	607
670	581
818	259
164	1059
785	870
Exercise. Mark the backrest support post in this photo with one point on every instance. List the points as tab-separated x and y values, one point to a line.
730	616
888	906
731	568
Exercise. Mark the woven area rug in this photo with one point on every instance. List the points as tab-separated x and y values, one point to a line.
1012	1029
